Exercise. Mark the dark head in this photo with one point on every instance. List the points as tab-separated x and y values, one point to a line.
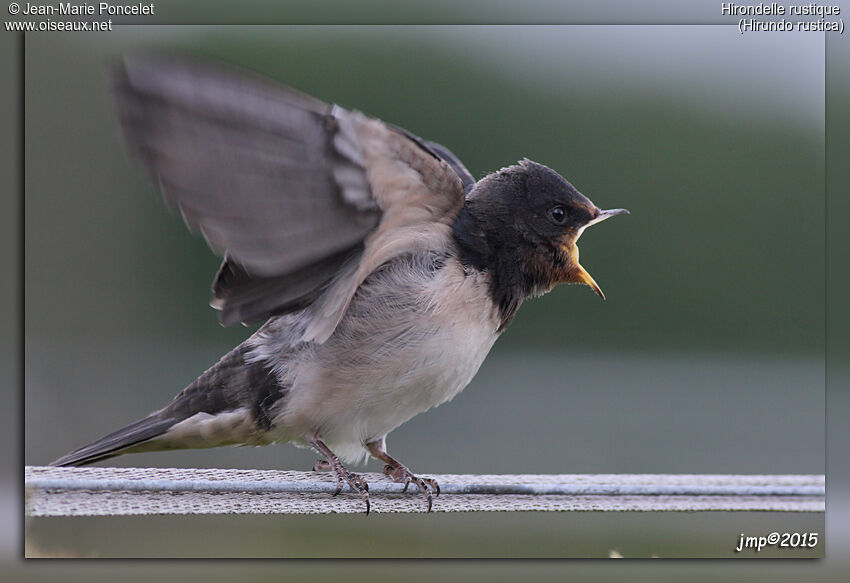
521	224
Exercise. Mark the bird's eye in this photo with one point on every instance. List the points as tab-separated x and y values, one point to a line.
558	214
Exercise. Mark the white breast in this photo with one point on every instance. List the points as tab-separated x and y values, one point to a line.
409	342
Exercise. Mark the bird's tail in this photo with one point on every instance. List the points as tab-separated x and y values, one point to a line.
227	403
118	442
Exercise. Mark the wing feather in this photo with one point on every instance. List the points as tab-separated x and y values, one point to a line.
303	199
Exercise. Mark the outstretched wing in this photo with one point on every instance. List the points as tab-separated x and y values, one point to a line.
303	199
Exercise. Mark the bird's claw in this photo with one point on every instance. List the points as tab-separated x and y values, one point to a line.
343	476
356	482
401	474
322	466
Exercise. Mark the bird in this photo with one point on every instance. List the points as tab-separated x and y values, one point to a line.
381	271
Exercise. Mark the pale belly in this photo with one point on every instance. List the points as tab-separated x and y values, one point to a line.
376	374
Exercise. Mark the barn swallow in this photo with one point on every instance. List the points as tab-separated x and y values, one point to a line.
382	270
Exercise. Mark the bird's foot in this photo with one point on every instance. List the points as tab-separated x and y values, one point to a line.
399	473
343	476
357	483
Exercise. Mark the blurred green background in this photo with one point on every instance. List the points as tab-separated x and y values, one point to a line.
706	358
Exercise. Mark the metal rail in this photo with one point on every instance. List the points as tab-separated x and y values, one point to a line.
118	491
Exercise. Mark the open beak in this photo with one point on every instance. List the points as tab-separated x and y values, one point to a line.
601	217
582	275
585	278
608	214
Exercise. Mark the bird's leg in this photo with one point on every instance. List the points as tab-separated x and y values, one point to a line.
356	482
399	472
